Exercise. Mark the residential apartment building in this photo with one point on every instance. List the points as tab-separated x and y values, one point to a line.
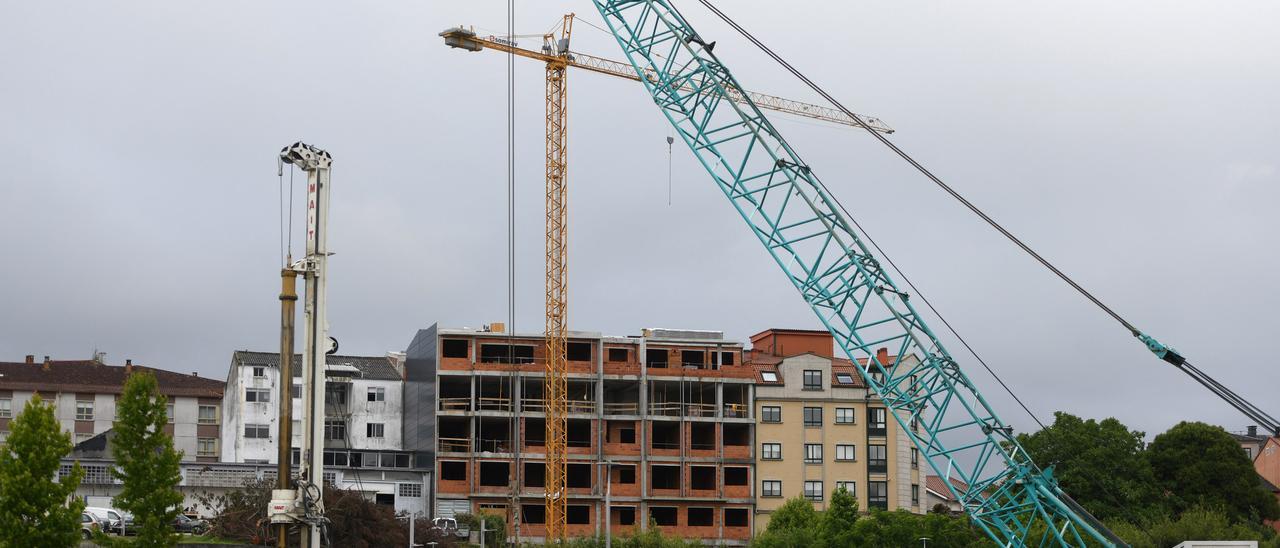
84	394
820	428
660	422
363	424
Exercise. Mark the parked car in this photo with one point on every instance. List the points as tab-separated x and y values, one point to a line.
88	525
449	526
184	524
123	525
108	518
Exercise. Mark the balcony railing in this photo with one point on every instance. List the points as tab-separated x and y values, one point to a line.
455	404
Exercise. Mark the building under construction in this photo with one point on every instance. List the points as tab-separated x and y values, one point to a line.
660	424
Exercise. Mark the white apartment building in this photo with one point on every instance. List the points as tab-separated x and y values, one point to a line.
364	411
84	394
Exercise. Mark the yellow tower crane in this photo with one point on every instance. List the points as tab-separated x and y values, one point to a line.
558	58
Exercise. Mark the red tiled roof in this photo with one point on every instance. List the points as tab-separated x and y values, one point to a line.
91	376
935	484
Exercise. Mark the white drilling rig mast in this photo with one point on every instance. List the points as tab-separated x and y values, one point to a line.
309	503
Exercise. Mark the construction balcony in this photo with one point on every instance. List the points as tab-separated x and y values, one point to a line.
621	398
515	354
580	436
700	362
580	397
672	438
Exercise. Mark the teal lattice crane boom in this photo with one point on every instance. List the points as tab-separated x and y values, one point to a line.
802	227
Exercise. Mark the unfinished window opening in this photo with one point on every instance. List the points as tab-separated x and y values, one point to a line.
578	431
702	435
617	355
735	517
702	517
655	357
495	394
666	435
493	435
626	474
454	348
665	477
535	474
665	399
736	475
621	398
452	470
693	358
533	513
620	432
577	351
726	358
626	515
577	476
737	434
663	515
578	514
535	432
506	353
495	474
702	477
735	401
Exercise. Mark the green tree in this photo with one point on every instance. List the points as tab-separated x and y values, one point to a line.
1197	464
796	513
838	520
1100	463
34	508
146	462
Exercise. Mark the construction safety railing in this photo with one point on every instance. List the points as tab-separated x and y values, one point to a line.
455	404
622	408
455	445
495	404
539	405
737	410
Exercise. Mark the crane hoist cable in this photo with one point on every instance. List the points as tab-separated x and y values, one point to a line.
1161	350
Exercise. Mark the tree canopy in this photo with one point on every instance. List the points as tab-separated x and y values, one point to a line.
34	506
1197	464
146	462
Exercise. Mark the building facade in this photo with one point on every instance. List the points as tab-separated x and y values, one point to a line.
364	404
820	428
84	394
660	424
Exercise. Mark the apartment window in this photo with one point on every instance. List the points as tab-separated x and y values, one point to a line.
454	348
84	410
813	416
373	430
769	376
845	452
915	425
878	495
813	490
850	486
207	447
771	451
168	412
812	379
617	355
844	415
915	494
259	395
259	371
915	457
6	407
771	488
771	413
577	351
813	453
876	417
877	377
378	394
335	429
411	490
663	515
295	391
844	378
208	414
80	438
335	395
877	459
257	431
726	358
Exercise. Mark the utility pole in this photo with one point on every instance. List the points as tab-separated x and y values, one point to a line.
309	502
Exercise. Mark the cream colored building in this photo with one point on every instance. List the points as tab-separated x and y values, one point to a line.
819	427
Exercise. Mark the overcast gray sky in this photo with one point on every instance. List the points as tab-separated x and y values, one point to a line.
1135	144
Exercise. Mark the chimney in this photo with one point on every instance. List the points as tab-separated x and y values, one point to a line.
1253	431
46	364
31	359
128	367
882	356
